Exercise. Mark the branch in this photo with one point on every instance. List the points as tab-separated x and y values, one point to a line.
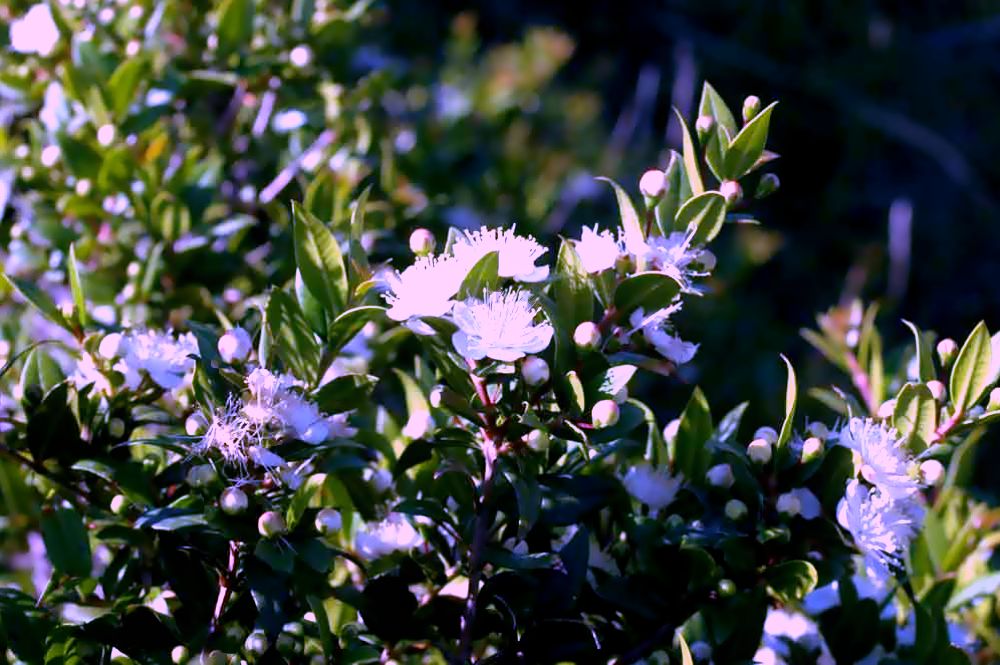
862	383
40	469
225	585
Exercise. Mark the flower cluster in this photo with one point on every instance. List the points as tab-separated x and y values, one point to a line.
166	358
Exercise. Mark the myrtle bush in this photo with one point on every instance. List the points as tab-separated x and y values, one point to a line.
273	393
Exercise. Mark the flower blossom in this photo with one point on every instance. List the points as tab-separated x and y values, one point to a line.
394	533
654	329
501	326
673	255
881	527
880	457
516	254
426	288
35	32
654	488
161	355
598	251
273	402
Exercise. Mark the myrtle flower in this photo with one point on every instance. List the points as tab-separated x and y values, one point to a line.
501	326
232	435
675	256
783	627
656	489
273	401
516	254
881	527
426	288
161	355
87	373
598	251
394	533
654	329
880	457
35	32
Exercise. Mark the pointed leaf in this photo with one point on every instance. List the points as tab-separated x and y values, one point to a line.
66	542
631	224
571	288
293	340
483	277
235	25
790	581
713	105
970	377
923	354
650	290
39	299
791	399
690	158
320	261
915	415
691	453
748	146
703	216
77	287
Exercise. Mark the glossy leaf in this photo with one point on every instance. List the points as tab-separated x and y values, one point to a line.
631	224
39	299
791	581
571	289
690	157
320	261
970	376
702	216
748	146
691	453
915	415
66	542
650	290
791	399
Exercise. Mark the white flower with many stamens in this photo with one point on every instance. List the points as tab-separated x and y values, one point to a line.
426	288
598	251
394	533
880	457
231	434
673	255
516	254
164	357
654	329
881	527
273	401
656	489
501	326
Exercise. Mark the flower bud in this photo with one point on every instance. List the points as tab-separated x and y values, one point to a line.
812	448
994	402
670	431
256	643
110	345
179	654
735	510
535	371
235	345
759	451
422	242
233	501
537	440
751	107
106	135
732	191
886	408
195	424
720	475
726	587
932	471
116	427
653	184
818	429
605	413
120	504
201	475
381	480
789	504
214	657
271	524
769	434
587	336
937	390
707	260
328	521
703	125
947	348
767	185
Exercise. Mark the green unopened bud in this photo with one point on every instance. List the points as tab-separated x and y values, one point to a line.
767	185
946	349
233	501
721	475
537	440
812	448
736	510
328	521
422	242
605	413
256	643
732	191
937	389
726	587
271	525
994	402
703	125
751	107
120	504
759	451
535	371
116	428
653	184
288	645
179	654
587	336
201	475
294	628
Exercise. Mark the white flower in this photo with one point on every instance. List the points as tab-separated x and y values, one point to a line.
394	533
274	402
418	424
87	373
235	344
881	528
598	251
164	357
426	288
501	327
654	329
35	32
881	458
673	255
654	488
516	254
232	435
288	120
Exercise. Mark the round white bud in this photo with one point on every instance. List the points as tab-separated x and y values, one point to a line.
195	424
818	429
812	448
759	451
932	471
789	504
946	349
110	345
937	389
769	434
605	413
537	440
653	183
732	191
256	643
381	480
704	124
233	501
535	371
119	504
271	524
886	408
116	427
106	135
587	336
736	510
235	345
422	242
179	654
328	521
994	402
751	107
721	475
300	56
201	475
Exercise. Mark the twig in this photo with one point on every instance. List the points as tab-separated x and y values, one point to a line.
945	428
40	469
860	379
225	584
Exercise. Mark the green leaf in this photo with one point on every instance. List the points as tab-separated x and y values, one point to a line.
923	354
571	289
987	585
691	454
690	157
77	287
716	145
970	377
302	497
358	269
748	146
713	105
915	415
791	399
610	382
670	202
293	340
40	299
631	224
348	324
40	372
650	290
578	399
280	559
484	276
791	581
529	499
344	393
326	636
81	158
703	216
235	25
416	401
66	542
320	261
123	84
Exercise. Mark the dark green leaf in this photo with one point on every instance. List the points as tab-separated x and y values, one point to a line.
631	224
320	261
482	277
123	84
791	581
348	324
748	146
713	105
923	354
66	542
571	288
40	299
235	25
971	374
702	216
691	453
915	415
292	337
344	393
690	157
650	290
